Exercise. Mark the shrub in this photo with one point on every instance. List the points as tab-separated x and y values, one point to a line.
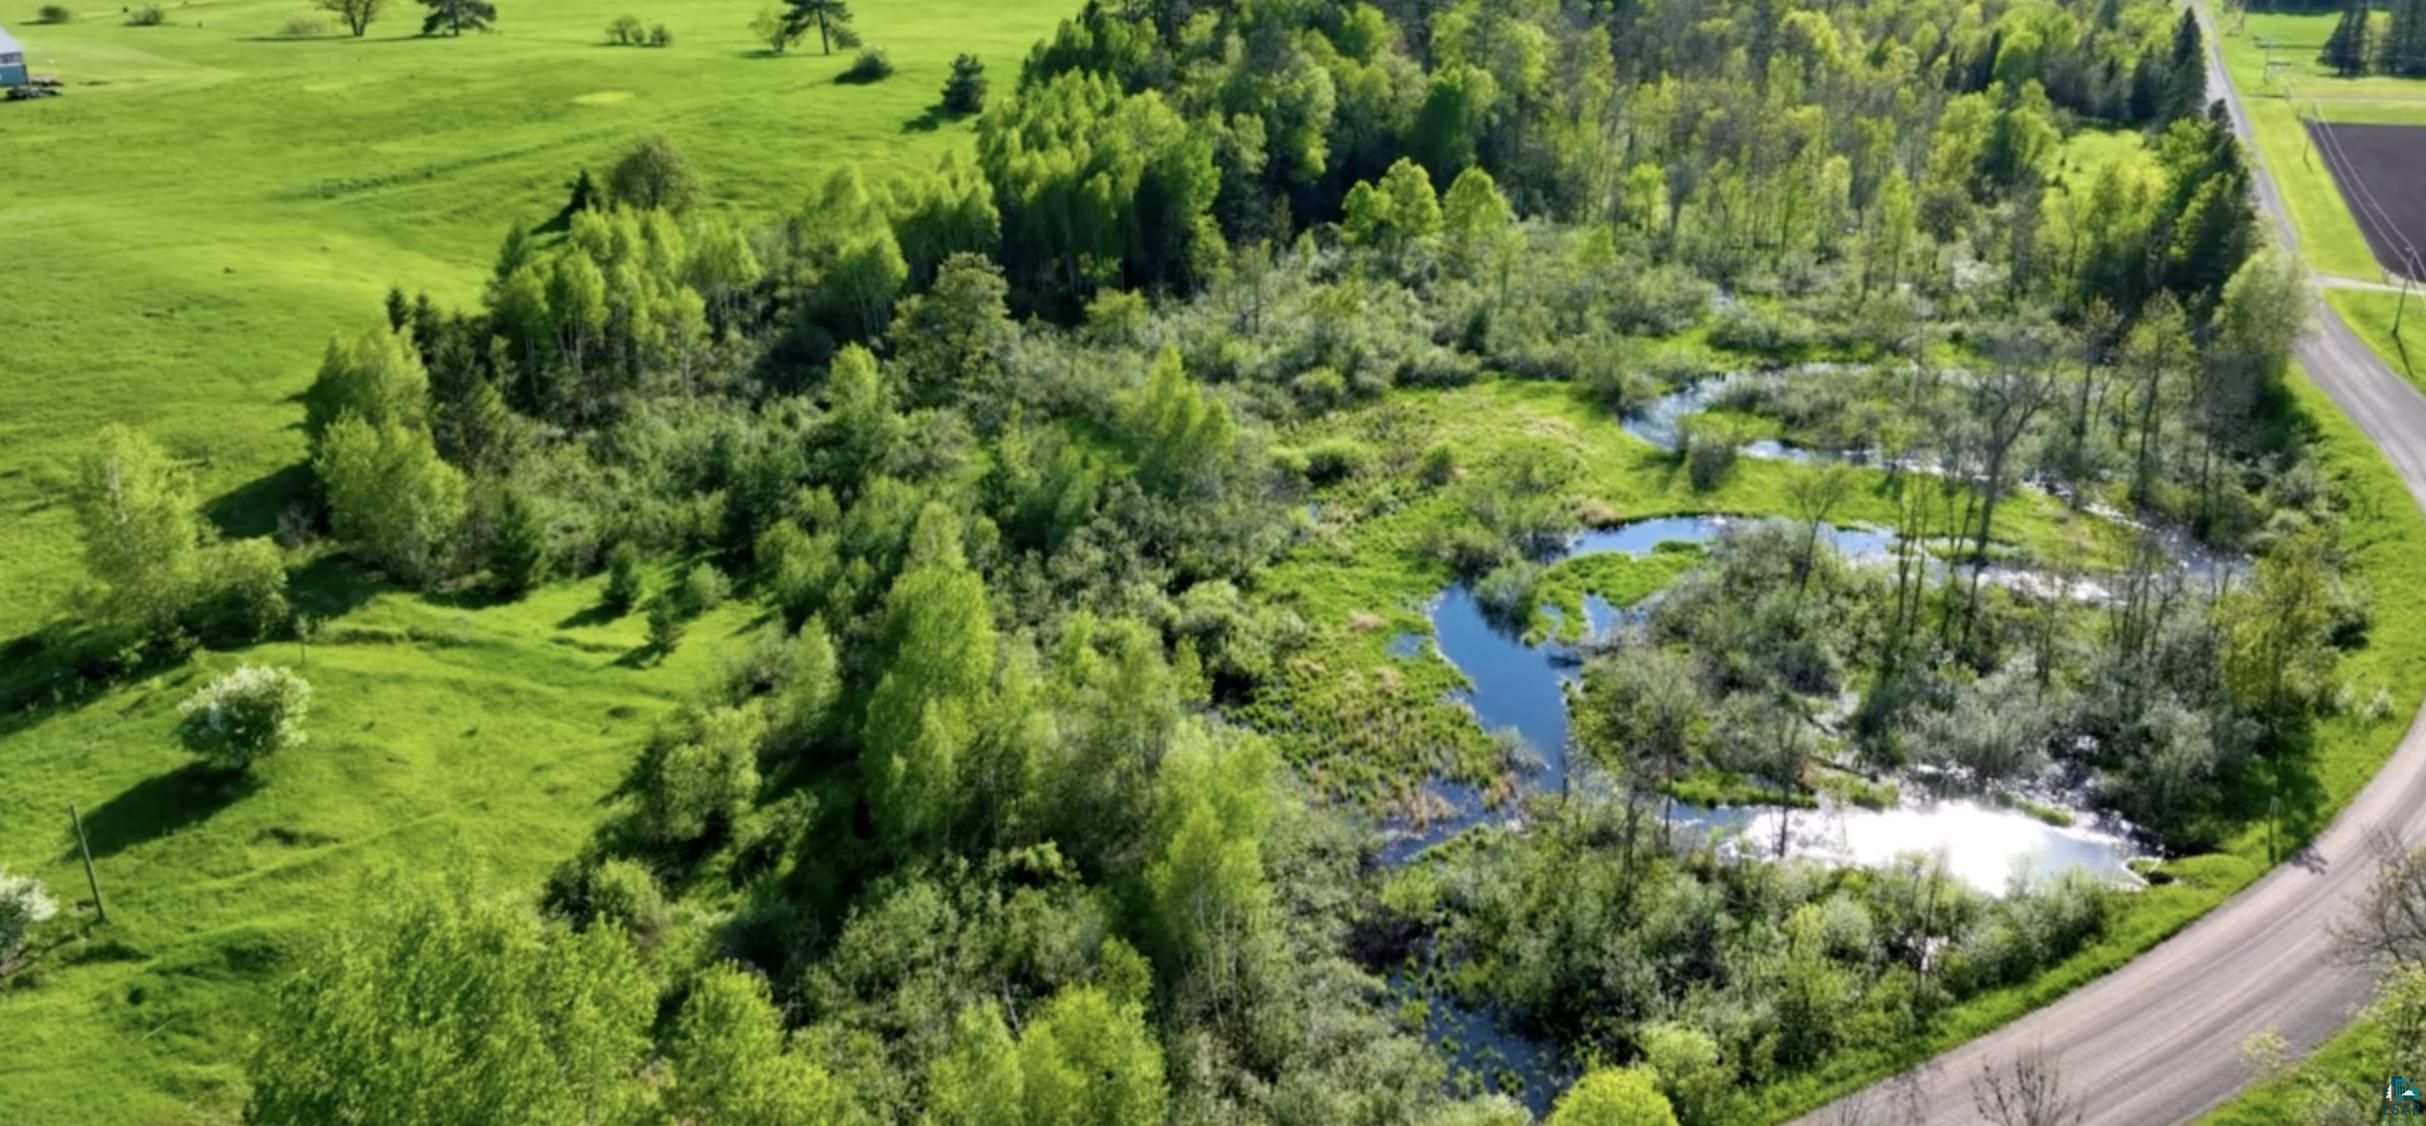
626	31
23	904
965	90
872	65
1613	1097
1764	329
1318	390
148	15
661	36
654	174
1508	592
1335	459
1610	373
625	584
1709	452
242	594
665	625
703	589
54	13
304	27
698	776
246	715
1439	466
624	893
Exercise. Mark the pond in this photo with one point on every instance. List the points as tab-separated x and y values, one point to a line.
1521	688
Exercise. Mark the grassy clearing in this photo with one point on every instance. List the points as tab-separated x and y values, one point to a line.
186	228
442	741
2384	535
2277	98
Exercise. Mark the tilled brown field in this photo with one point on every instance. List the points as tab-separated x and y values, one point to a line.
2381	170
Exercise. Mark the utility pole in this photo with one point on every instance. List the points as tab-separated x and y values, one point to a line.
90	880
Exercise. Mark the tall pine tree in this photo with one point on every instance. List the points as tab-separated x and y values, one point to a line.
2405	40
2186	70
2346	50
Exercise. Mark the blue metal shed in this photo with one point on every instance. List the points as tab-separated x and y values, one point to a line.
12	61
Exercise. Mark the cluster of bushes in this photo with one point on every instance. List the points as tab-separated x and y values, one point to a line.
54	13
1719	977
161	576
628	31
145	15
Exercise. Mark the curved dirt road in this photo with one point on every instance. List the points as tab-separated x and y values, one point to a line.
2159	1040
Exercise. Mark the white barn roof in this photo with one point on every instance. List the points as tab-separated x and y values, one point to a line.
9	46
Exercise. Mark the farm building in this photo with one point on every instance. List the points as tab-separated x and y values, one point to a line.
12	61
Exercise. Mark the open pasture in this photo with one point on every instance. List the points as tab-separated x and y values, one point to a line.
213	198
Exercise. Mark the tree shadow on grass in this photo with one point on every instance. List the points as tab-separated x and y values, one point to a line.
932	119
163	804
331	587
2298	806
252	509
595	614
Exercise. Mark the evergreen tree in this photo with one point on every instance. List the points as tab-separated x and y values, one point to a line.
831	18
2405	40
965	91
2186	70
454	16
2346	50
518	558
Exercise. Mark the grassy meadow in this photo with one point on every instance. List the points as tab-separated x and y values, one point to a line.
211	200
2279	96
186	228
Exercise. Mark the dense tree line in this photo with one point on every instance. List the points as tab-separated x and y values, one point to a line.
2361	44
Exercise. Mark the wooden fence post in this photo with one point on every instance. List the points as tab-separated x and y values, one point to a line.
90	880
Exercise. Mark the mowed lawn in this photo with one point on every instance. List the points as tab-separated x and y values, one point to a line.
2279	97
182	233
184	229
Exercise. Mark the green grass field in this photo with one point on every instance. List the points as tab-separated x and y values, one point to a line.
184	230
2277	98
209	202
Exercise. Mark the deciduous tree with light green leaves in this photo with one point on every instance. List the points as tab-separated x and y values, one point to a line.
374	375
390	497
730	1065
1206	877
1088	1060
136	508
454	1009
937	653
1612	1096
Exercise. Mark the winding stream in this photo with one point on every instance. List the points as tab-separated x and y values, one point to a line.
1521	688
